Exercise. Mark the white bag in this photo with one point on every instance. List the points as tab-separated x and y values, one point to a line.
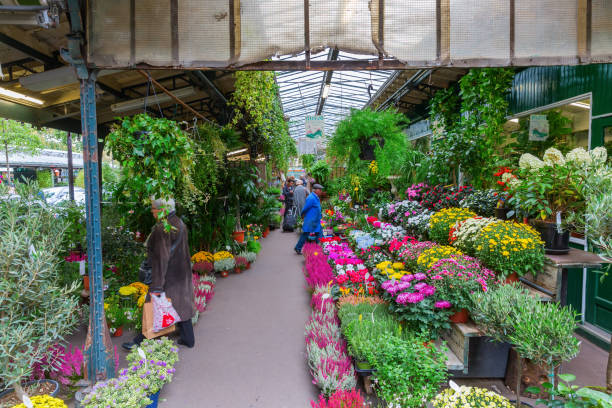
164	314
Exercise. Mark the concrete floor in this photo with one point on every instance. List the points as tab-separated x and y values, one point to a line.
249	350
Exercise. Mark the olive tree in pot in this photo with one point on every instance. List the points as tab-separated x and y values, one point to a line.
539	331
35	311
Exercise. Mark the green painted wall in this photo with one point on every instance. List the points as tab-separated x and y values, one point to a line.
540	86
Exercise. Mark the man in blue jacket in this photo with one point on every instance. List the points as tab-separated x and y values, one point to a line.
311	214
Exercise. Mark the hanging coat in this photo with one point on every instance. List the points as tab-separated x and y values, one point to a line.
169	258
311	214
299	197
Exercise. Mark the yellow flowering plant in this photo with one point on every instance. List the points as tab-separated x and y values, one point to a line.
472	397
202	256
441	223
221	255
44	401
432	255
391	270
507	247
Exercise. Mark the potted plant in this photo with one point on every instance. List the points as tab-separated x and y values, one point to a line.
408	372
459	397
548	191
442	221
456	278
139	385
510	249
36	310
241	264
224	262
539	330
115	315
249	256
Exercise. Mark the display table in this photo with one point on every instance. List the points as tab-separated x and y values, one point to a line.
553	279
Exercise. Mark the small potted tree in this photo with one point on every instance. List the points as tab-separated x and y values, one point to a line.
35	312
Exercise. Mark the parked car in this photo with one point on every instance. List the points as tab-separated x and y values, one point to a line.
56	195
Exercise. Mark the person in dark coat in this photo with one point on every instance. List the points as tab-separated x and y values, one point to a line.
168	255
299	195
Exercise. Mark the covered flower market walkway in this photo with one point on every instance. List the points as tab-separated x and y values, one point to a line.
250	341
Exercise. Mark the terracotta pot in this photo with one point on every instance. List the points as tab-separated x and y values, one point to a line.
238	236
512	278
86	282
118	332
460	317
237	270
248	266
266	232
224	274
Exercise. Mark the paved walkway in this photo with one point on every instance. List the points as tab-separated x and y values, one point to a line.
249	350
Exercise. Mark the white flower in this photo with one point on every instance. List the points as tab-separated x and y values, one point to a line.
506	176
553	156
530	162
578	156
599	155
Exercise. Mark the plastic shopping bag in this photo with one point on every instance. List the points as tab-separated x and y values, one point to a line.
164	314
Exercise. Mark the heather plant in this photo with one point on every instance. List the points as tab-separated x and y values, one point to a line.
330	366
317	270
341	399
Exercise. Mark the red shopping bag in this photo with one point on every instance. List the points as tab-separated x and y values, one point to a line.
164	314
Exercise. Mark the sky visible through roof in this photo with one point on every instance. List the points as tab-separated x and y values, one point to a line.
300	90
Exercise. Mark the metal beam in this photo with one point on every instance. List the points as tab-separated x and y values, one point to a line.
327	77
410	84
26	49
293	65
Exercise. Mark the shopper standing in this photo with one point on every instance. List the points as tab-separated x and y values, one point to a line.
311	214
168	255
299	195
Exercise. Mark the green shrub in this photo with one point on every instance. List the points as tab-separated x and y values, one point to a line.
44	178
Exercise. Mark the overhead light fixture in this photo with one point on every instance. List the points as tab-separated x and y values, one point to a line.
582	105
55	78
325	91
237	151
19	96
154	99
515	120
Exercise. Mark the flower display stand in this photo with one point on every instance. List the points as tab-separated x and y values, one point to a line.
553	279
473	355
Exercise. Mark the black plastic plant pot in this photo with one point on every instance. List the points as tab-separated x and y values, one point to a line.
29	383
502	213
555	242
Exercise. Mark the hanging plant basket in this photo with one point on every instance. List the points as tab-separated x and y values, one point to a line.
367	148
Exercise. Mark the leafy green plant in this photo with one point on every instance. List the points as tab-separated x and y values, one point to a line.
18	137
408	372
367	130
155	154
572	396
307	160
44	178
320	171
35	311
482	202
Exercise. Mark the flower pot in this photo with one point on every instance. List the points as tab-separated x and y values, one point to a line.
248	265
512	278
237	270
224	274
266	232
363	365
118	332
86	282
54	388
502	213
238	236
155	399
555	243
460	316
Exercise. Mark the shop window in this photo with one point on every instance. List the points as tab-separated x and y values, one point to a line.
564	126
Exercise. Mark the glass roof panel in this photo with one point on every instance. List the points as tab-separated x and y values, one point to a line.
300	92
